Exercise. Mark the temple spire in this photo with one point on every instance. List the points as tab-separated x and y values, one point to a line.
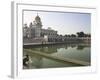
37	13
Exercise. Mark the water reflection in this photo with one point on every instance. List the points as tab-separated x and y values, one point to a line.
37	61
80	47
73	51
54	48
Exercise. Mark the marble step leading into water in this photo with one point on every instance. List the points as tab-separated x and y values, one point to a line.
67	60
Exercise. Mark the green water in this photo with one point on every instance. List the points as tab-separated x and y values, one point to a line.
81	52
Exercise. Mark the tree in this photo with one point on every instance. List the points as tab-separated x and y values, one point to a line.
66	35
73	35
80	34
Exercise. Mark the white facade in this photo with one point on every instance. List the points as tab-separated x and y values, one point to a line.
35	30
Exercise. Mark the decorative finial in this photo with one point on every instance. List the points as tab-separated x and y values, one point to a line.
37	13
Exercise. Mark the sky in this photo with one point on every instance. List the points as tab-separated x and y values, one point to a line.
63	22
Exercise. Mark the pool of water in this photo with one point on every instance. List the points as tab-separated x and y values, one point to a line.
81	52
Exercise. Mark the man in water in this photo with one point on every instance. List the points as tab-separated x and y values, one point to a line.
26	61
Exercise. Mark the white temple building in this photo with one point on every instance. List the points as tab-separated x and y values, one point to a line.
35	31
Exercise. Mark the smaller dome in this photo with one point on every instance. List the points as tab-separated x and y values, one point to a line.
49	28
25	25
30	24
